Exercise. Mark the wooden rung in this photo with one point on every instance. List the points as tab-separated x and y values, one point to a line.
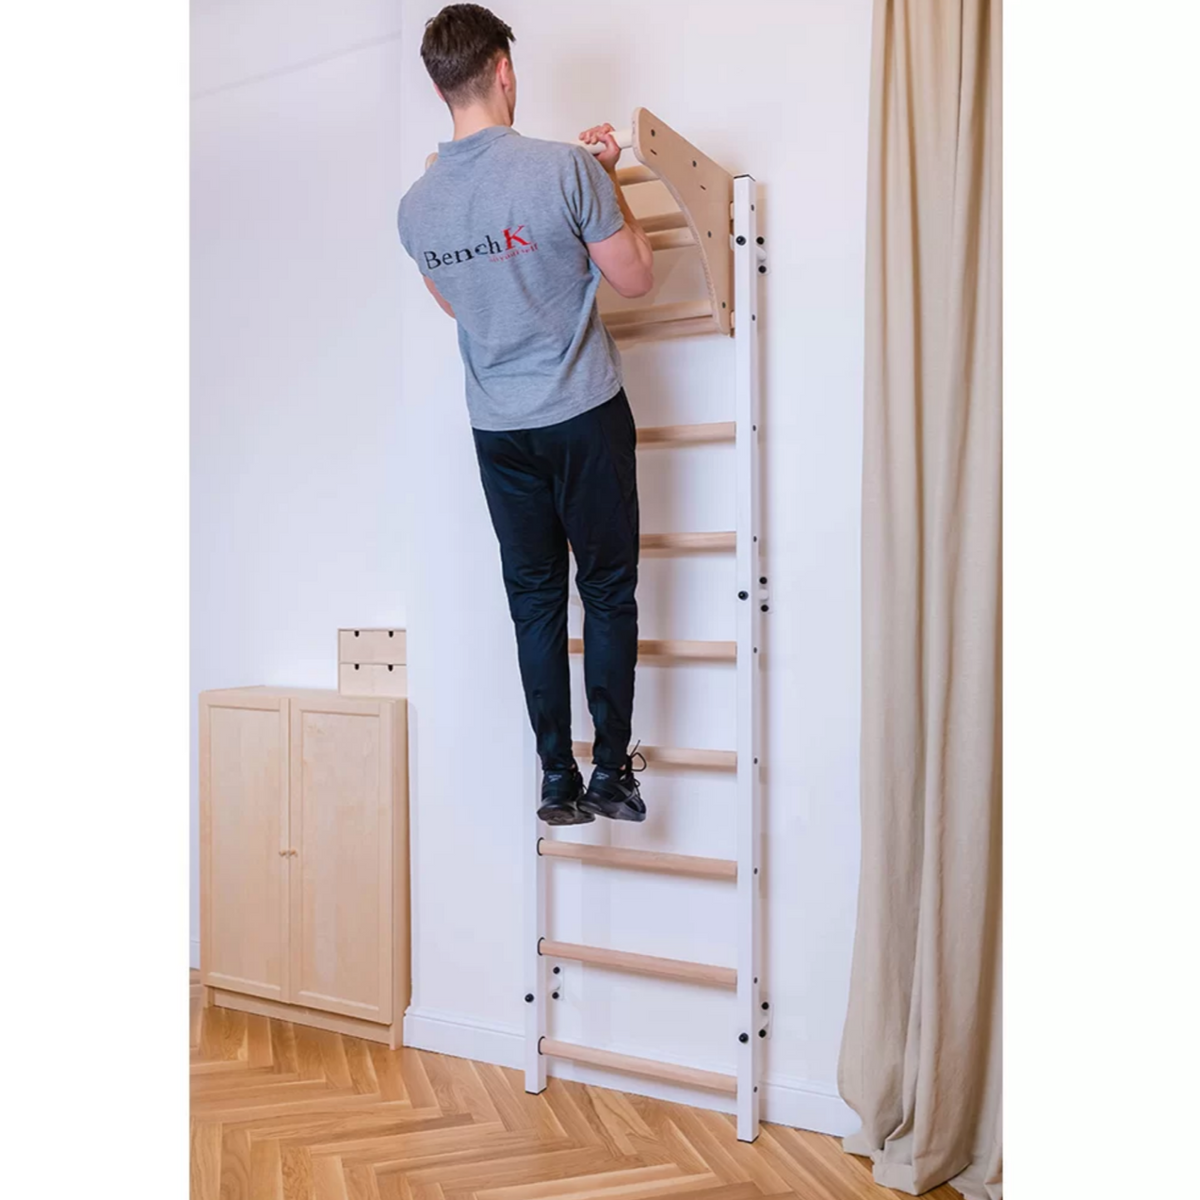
687	435
661	221
630	175
655	314
673	648
672	239
690	543
659	331
640	860
640	964
675	756
668	1072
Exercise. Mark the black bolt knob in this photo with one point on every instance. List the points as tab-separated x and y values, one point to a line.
761	240
743	595
762	1033
766	608
765	1006
528	997
743	1038
553	995
741	241
762	270
762	579
558	970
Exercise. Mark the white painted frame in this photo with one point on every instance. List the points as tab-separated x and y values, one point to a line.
752	600
536	966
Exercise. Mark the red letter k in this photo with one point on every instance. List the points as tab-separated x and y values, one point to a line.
510	236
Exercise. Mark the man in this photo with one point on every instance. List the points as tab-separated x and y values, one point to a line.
512	236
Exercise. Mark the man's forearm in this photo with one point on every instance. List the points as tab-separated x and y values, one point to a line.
634	224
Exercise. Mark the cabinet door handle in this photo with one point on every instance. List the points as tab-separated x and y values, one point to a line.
294	852
283	853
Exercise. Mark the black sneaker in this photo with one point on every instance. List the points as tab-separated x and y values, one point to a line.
613	792
561	790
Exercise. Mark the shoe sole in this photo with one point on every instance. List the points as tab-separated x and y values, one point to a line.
619	811
562	816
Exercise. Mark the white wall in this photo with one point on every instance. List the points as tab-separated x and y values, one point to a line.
296	423
779	89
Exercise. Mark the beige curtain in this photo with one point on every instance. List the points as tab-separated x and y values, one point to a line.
920	1060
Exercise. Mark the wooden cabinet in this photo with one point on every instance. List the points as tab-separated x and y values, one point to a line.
304	857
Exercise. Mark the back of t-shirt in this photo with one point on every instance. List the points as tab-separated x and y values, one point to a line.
499	224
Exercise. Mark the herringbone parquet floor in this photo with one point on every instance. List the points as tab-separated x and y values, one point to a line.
283	1112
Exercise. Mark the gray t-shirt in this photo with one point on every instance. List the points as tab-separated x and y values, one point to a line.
499	224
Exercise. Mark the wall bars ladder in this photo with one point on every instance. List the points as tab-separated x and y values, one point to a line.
717	218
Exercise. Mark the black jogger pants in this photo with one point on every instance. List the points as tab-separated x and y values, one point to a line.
577	482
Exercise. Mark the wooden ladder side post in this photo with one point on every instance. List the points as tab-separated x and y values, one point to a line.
752	598
536	966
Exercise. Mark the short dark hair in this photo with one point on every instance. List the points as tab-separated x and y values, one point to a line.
459	47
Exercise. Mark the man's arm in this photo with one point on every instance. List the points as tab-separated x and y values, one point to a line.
443	303
625	259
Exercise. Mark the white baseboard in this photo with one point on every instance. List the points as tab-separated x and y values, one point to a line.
798	1103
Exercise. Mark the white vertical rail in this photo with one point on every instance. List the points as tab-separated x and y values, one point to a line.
535	972
750	603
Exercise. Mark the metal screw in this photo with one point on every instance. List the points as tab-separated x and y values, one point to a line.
741	241
743	595
743	1038
528	997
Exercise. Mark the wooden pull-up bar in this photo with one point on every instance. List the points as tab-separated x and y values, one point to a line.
703	190
624	139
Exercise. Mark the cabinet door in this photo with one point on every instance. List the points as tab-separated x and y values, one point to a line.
342	876
243	843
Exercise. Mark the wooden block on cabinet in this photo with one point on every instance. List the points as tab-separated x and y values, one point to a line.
385	646
388	680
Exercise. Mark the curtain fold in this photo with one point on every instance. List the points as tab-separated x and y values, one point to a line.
920	1057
